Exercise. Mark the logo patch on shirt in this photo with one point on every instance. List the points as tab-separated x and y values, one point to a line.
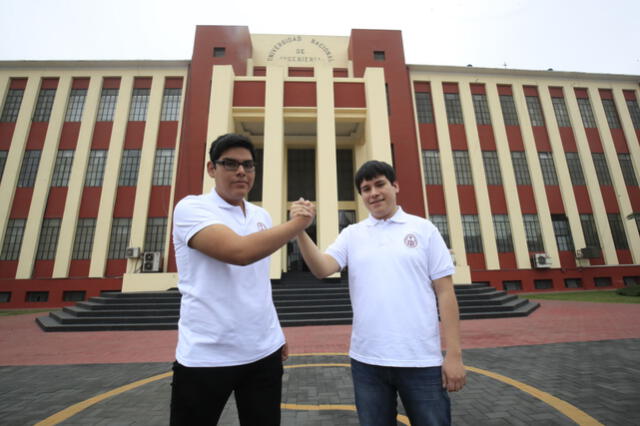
411	241
261	226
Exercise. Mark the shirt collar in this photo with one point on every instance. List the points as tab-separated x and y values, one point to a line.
399	217
220	202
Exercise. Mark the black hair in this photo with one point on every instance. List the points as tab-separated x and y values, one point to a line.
228	141
372	169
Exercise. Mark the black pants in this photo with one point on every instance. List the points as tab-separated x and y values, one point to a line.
199	394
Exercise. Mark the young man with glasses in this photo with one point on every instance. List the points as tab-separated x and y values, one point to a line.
398	265
229	336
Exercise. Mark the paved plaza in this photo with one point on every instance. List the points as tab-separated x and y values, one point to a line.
576	376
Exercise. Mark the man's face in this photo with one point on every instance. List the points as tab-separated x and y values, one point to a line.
379	196
232	186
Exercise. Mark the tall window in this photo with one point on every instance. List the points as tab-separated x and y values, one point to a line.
602	170
560	109
509	112
520	167
344	160
534	234
44	105
432	171
120	230
107	106
492	167
562	231
156	231
454	109
29	169
256	192
129	167
617	231
634	112
586	113
95	168
11	106
471	232
301	172
481	109
503	233
424	107
83	242
462	167
627	169
575	168
139	103
163	167
62	169
48	239
548	168
535	110
75	105
12	239
440	221
170	104
611	113
589	230
3	161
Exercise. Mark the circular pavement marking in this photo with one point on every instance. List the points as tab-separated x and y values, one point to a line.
571	411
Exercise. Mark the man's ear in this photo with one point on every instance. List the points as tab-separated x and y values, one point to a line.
211	169
396	185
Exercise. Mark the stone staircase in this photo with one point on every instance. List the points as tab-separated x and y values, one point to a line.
300	300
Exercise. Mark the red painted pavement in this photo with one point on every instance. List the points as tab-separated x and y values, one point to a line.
22	342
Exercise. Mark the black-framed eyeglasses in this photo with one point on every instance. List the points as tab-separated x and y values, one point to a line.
232	165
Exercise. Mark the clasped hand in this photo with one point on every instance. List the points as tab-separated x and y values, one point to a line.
303	208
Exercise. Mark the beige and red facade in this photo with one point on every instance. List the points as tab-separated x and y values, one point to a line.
337	102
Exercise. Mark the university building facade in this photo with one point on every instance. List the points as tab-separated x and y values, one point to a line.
531	176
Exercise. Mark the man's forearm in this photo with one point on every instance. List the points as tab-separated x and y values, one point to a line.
320	264
450	317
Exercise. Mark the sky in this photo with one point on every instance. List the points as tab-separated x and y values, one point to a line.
598	36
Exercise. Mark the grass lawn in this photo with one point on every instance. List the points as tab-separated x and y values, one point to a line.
602	296
8	312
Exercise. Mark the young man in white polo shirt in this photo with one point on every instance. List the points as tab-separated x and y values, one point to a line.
398	263
229	337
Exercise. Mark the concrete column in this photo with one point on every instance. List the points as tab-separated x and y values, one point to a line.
43	180
326	167
274	153
220	114
518	232
16	150
485	216
539	191
619	185
377	136
76	179
456	236
110	183
593	185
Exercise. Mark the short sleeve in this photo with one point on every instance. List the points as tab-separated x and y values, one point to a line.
438	255
190	216
339	249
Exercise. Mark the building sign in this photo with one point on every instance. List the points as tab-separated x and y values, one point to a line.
298	50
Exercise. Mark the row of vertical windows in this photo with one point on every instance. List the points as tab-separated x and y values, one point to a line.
432	171
48	239
170	104
588	120
611	113
139	105
492	167
440	222
589	230
562	232
44	105
29	168
120	231
627	169
520	167
163	167
509	113
503	233
107	105
453	107
462	167
155	235
533	232
76	104
62	168
575	168
83	242
634	112
548	169
424	107
481	108
95	167
12	106
560	110
535	110
602	170
129	167
471	233
617	231
12	239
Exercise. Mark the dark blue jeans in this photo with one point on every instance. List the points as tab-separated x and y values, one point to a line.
420	389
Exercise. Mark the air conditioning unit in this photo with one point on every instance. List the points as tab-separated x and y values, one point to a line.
132	253
541	260
151	261
589	252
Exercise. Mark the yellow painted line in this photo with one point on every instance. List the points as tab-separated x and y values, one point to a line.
322	354
571	411
76	408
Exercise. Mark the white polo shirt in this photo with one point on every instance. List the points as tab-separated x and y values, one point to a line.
391	266
227	316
